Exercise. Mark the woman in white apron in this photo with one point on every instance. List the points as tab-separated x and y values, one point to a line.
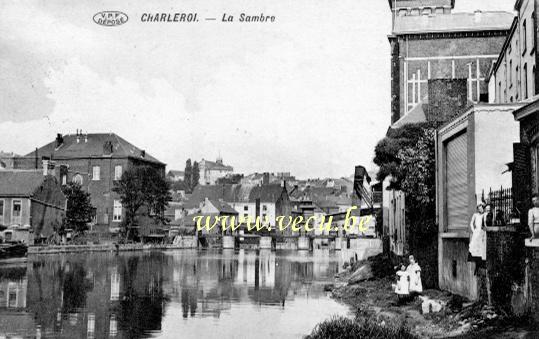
478	244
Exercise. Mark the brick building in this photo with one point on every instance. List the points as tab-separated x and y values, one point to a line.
429	41
31	200
95	161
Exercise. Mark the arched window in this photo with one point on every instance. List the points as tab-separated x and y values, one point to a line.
78	179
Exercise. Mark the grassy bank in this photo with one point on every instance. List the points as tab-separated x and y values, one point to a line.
364	325
380	315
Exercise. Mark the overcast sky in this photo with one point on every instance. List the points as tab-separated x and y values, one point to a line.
308	93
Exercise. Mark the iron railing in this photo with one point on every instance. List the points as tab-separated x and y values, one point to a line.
501	203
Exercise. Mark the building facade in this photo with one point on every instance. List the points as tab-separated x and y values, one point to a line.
211	171
472	155
96	162
513	78
428	41
33	201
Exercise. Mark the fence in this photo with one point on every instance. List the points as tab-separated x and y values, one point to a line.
501	203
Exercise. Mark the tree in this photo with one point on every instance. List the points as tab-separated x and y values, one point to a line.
188	174
407	155
79	208
142	186
195	176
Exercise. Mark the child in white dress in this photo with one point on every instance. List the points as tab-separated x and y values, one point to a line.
402	285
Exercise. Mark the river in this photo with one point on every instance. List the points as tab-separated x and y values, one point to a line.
168	294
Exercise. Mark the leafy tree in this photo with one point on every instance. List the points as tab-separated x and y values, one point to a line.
79	209
407	155
387	150
188	175
142	186
195	176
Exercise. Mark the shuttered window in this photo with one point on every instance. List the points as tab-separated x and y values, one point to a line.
457	182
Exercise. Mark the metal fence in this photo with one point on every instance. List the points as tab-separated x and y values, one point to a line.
501	204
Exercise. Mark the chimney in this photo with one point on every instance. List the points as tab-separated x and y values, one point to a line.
86	138
59	140
477	16
142	153
265	178
48	167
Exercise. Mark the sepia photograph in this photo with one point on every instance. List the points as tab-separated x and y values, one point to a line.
310	169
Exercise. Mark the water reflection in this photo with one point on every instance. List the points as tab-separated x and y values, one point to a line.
165	294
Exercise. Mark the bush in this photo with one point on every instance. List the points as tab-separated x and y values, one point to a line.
360	327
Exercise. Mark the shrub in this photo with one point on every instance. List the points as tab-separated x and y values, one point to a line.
360	327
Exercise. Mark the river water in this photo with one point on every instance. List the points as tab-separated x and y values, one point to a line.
170	294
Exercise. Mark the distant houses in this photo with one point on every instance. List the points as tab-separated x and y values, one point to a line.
175	176
210	171
32	205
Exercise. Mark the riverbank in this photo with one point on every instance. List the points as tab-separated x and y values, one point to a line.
436	314
184	243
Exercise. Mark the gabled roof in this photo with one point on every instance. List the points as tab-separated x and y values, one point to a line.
223	207
90	146
454	22
20	183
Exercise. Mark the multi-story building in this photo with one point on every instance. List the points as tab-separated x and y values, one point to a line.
429	41
96	161
211	171
513	77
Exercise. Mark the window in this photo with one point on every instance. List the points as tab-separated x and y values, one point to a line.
524	37
264	207
426	11
499	92
525	92
245	208
117	172
96	173
16	211
2	203
78	179
64	179
533	81
117	211
511	73
533	36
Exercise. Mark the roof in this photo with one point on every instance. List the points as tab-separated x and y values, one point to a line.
223	207
410	3
176	173
19	183
212	165
91	146
266	193
415	115
454	22
234	193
